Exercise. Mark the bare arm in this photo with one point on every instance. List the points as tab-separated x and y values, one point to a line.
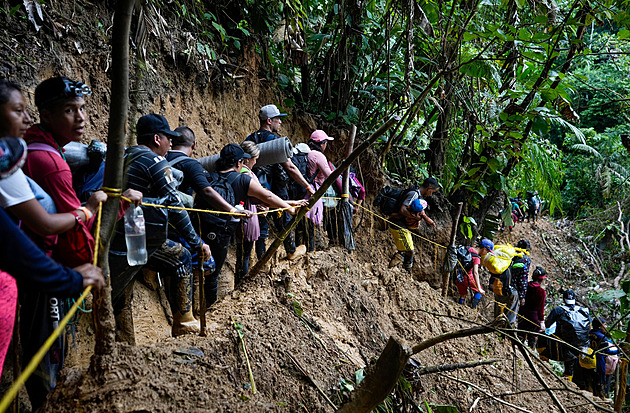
427	219
295	173
41	222
475	270
267	197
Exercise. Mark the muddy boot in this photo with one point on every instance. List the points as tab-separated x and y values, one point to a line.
408	263
125	332
185	324
299	252
397	258
184	321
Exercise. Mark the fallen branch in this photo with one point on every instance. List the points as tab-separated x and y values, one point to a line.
540	379
521	409
381	378
454	366
310	379
550	251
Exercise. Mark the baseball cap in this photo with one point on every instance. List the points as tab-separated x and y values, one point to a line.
486	243
59	88
320	136
12	156
418	205
233	152
431	182
523	244
269	112
539	274
598	322
153	123
569	297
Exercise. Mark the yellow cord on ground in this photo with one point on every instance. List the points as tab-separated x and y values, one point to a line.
37	358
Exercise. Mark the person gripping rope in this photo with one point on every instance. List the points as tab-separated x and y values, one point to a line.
532	311
150	173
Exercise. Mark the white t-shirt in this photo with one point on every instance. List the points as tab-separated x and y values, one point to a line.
14	190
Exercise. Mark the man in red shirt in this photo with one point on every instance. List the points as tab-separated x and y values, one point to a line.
62	120
533	311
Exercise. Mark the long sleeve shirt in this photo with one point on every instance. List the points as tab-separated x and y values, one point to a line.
151	174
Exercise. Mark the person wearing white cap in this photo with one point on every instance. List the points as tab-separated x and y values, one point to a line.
572	326
276	178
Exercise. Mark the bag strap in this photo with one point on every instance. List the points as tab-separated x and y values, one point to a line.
39	146
177	160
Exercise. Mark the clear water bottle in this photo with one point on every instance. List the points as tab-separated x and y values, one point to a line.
135	236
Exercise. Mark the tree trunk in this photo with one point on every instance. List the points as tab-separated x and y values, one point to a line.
103	311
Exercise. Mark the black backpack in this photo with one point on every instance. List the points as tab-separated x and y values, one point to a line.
573	325
389	200
300	160
222	183
465	257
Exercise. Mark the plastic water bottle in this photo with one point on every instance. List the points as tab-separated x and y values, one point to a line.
135	236
239	208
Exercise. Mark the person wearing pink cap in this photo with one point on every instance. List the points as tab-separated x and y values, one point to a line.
320	169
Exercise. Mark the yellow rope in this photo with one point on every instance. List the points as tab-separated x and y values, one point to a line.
37	358
205	211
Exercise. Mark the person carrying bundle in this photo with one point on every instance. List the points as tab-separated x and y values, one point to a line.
498	260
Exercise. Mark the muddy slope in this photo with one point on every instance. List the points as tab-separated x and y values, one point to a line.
350	304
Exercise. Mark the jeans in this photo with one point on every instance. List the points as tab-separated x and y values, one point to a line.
218	238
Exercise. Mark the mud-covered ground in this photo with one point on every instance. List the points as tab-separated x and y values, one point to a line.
307	325
350	304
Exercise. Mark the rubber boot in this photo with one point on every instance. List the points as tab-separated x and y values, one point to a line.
125	332
408	263
397	258
184	321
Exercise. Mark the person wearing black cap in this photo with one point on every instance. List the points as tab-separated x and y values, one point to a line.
277	178
520	270
532	311
218	231
149	172
572	326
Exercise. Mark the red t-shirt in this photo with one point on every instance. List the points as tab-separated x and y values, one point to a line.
53	174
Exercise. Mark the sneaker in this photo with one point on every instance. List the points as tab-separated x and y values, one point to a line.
299	252
12	156
397	258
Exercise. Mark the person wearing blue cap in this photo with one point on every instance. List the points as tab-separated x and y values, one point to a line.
149	172
407	218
